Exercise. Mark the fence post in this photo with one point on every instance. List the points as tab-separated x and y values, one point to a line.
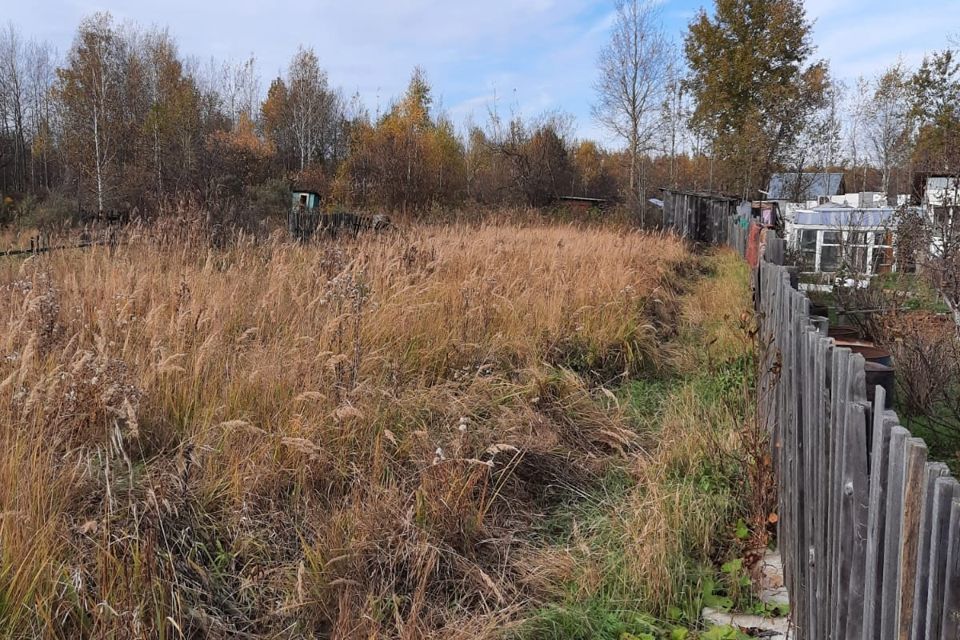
910	540
893	528
883	423
945	490
934	471
950	629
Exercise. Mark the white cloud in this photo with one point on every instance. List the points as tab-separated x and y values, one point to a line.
863	38
532	54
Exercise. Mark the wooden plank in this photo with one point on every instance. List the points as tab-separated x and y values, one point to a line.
945	490
934	471
950	621
823	412
787	485
893	527
910	536
883	423
839	399
854	522
811	451
799	310
856	491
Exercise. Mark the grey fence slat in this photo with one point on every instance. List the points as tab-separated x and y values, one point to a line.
883	423
950	619
824	358
811	445
840	395
799	312
910	537
934	471
856	491
855	495
893	527
944	492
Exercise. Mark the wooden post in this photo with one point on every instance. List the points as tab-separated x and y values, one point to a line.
945	490
950	621
893	527
856	493
883	423
934	471
910	536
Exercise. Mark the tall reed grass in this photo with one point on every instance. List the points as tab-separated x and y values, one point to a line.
348	439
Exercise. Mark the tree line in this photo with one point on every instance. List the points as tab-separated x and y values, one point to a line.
124	121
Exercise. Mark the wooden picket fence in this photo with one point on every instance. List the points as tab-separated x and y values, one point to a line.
40	244
869	530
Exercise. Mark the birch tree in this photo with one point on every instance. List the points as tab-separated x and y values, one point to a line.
311	105
14	95
90	93
630	90
41	69
303	115
888	123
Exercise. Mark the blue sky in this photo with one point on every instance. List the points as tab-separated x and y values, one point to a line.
533	55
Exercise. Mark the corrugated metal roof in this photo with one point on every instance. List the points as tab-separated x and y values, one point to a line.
844	217
784	186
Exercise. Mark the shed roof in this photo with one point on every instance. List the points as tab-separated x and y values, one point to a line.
784	186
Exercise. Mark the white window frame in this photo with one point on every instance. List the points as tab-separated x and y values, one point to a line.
871	245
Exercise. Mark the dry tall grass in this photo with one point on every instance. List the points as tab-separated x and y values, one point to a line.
347	439
684	498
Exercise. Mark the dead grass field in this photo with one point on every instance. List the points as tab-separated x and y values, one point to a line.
358	439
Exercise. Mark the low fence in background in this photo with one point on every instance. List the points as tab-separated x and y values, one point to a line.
41	244
869	530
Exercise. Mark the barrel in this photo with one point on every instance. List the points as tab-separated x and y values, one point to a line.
881	375
843	332
822	323
819	309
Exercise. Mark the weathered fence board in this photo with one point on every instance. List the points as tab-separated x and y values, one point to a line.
910	536
944	492
934	471
889	600
883	423
950	618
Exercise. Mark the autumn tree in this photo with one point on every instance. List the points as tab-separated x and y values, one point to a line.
90	92
239	157
304	118
888	124
171	125
935	91
752	84
14	92
536	161
630	90
592	171
407	160
275	124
